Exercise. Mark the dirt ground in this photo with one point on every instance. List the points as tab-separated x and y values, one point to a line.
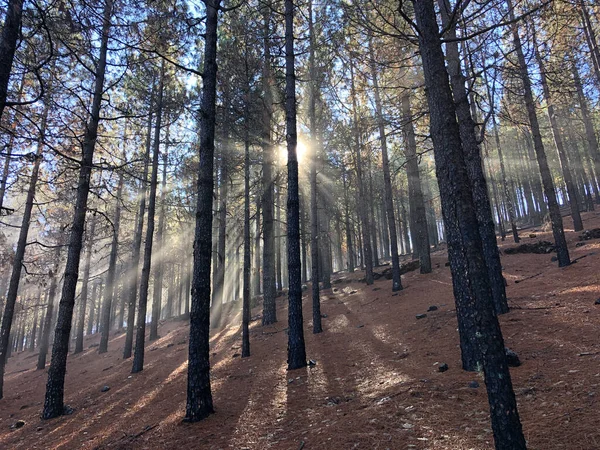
376	384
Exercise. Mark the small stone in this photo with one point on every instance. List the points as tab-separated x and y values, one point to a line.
235	355
447	264
554	259
39	429
324	316
432	308
532	236
580	244
443	367
360	326
304	287
18	424
312	363
105	389
597	302
421	316
512	358
67	410
474	384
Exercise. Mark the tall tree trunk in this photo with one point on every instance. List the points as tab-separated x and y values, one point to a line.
296	350
160	265
472	158
465	248
314	206
558	141
418	214
555	217
367	254
110	290
90	325
54	400
137	239
387	180
35	321
268	276
199	397
219	285
84	286
348	225
246	270
140	332
8	45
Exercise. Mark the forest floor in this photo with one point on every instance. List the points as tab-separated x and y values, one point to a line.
376	384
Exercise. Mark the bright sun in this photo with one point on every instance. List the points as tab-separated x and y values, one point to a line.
301	152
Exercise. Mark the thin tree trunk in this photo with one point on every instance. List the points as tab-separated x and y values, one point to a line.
84	286
140	335
558	141
137	240
109	290
418	214
555	217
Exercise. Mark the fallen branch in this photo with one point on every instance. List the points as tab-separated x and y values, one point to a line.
527	278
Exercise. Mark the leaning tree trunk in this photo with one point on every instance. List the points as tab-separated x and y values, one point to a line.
15	277
54	401
472	152
465	248
558	141
296	350
418	213
387	179
84	287
137	239
140	331
553	208
109	290
8	45
199	397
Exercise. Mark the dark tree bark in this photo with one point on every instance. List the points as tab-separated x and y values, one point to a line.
33	334
314	206
296	350
465	248
15	277
418	214
348	225
110	289
199	397
269	288
140	331
247	256
84	287
8	45
557	225
53	404
472	152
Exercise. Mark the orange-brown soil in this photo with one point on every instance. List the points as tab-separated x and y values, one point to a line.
376	384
